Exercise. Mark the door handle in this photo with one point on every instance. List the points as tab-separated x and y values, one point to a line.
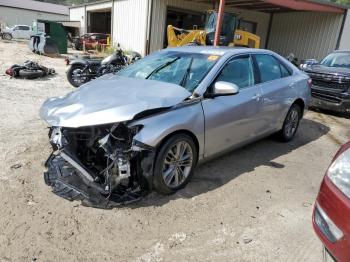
256	97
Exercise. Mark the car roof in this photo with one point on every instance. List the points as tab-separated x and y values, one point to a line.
217	50
342	51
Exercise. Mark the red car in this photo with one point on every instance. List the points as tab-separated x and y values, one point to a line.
331	216
92	40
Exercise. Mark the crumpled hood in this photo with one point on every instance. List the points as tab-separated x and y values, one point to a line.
110	99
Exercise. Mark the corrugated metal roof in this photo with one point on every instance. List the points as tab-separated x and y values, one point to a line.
274	6
36	6
91	3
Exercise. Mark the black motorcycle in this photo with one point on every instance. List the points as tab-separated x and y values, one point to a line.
83	70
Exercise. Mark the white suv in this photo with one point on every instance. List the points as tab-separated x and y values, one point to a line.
17	31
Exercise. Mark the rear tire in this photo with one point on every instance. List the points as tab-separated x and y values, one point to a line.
70	75
174	164
291	123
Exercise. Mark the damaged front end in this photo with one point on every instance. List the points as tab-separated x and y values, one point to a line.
95	156
101	165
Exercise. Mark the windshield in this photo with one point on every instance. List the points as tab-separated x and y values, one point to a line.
184	69
341	59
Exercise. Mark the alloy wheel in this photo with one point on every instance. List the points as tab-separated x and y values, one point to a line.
78	76
177	164
292	122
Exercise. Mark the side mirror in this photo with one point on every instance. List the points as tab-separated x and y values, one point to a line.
222	88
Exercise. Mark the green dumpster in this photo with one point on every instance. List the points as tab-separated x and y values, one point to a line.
55	31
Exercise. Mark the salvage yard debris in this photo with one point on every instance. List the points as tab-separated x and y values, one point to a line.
29	70
16	166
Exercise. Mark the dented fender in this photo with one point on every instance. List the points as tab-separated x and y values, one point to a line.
187	116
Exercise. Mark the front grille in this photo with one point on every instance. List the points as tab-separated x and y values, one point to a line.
331	82
326	97
332	85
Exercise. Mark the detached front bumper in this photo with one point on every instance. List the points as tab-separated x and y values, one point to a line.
328	100
68	180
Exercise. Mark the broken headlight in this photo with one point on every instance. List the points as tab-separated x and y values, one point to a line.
56	137
119	139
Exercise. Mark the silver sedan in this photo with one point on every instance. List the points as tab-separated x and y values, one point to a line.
149	125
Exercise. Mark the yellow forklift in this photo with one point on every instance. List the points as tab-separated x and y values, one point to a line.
231	34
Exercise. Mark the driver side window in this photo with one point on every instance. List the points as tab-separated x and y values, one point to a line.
238	71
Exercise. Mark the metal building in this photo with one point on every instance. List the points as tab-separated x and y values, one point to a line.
24	12
307	28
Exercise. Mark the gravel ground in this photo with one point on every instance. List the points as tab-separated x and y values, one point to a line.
254	204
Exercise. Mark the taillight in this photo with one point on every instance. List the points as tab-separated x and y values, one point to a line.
309	82
9	72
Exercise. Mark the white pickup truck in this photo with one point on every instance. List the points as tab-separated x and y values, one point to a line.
17	32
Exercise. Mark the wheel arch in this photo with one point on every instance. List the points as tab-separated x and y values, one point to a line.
180	131
300	102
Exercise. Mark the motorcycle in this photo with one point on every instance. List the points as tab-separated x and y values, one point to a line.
29	70
83	70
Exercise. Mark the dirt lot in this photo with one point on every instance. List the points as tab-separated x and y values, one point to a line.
253	204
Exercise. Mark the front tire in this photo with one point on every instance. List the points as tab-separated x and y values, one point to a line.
291	123
7	36
174	164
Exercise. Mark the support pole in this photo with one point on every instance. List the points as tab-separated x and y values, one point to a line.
219	22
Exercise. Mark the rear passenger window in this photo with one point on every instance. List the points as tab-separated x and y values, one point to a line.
269	68
285	72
